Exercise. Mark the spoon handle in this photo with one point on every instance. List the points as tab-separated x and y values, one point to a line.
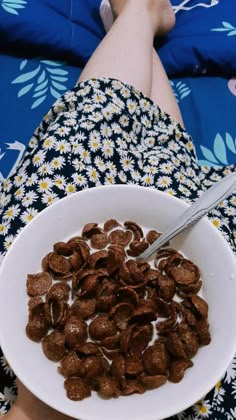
207	201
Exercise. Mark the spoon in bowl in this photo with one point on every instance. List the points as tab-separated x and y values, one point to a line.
207	201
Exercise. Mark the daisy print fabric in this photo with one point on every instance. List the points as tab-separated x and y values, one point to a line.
105	132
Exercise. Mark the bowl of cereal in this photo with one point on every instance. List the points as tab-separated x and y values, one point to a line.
95	332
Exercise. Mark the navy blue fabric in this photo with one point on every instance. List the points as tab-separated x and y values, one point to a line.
61	29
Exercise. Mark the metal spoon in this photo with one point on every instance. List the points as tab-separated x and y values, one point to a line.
208	200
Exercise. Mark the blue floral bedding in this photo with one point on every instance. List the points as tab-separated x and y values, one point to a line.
39	63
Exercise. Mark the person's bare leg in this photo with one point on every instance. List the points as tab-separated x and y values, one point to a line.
161	91
126	53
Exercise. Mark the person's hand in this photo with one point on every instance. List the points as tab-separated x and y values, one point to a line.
29	407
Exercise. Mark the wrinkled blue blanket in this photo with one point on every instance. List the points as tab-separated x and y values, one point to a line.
71	30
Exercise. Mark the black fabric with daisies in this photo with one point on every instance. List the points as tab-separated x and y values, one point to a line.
106	132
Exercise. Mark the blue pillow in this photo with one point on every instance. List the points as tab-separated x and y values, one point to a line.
59	29
203	40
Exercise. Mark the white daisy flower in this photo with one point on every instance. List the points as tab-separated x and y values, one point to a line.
32	180
49	198
7	184
80	136
144	104
88	108
99	98
84	155
109	92
216	221
33	142
127	164
184	190
96	116
87	125
92	174
57	163
109	179
132	106
170	191
147	180
63	146
106	130
49	142
45	169
19	193
125	92
174	146
95	83
117	85
124	121
20	178
112	168
59	182
28	215
12	212
79	180
45	184
230	375
4	228
150	169
7	368
70	96
166	168
108	112
8	241
203	408
78	165
164	181
29	198
232	200
232	413
219	393
3	411
230	211
94	141
149	141
70	122
135	175
122	177
181	178
121	143
100	164
38	159
58	107
4	199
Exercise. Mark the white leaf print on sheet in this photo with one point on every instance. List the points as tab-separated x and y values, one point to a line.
12	6
183	5
44	80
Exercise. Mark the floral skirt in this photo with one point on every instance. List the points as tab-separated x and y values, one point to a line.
105	132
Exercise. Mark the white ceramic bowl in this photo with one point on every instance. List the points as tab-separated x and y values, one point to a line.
152	209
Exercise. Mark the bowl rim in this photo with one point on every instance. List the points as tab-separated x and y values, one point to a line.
74	196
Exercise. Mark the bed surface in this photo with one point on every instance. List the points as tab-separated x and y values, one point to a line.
39	63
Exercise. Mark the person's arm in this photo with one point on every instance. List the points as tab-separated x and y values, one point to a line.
29	407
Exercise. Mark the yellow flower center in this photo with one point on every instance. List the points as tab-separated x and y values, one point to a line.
203	410
44	185
9	213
